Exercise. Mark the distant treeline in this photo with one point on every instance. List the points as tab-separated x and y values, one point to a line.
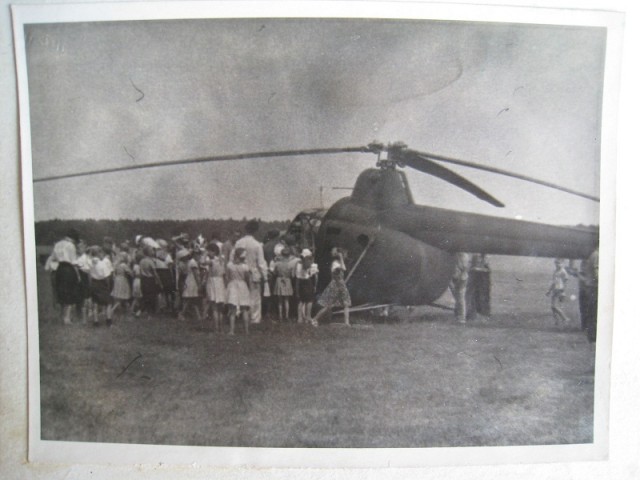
93	231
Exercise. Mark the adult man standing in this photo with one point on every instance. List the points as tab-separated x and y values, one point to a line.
458	286
257	265
270	241
588	277
478	298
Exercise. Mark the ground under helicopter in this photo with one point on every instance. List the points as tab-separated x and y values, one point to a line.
399	252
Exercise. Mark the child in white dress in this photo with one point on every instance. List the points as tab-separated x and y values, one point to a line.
336	293
191	291
238	277
283	270
216	292
100	272
306	274
121	292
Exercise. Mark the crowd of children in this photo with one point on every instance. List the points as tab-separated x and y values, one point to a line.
217	280
208	279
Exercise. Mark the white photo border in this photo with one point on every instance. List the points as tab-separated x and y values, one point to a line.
100	453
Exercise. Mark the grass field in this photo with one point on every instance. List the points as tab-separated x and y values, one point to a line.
417	379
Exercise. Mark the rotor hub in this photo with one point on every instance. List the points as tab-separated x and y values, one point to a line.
389	156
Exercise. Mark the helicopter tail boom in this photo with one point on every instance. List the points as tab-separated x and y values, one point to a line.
467	232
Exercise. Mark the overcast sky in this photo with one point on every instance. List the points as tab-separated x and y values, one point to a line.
520	97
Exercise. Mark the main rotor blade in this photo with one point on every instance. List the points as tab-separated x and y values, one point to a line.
218	158
506	173
419	162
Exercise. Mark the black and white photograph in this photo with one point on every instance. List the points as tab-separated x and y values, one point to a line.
283	233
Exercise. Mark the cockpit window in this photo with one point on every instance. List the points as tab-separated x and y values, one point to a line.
305	226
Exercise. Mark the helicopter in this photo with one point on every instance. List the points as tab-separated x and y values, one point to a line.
399	252
404	253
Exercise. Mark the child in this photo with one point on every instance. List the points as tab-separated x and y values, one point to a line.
336	293
67	283
204	266
216	292
100	283
283	270
51	265
181	272
150	283
84	267
556	291
306	283
123	254
121	292
191	291
136	288
164	268
238	297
